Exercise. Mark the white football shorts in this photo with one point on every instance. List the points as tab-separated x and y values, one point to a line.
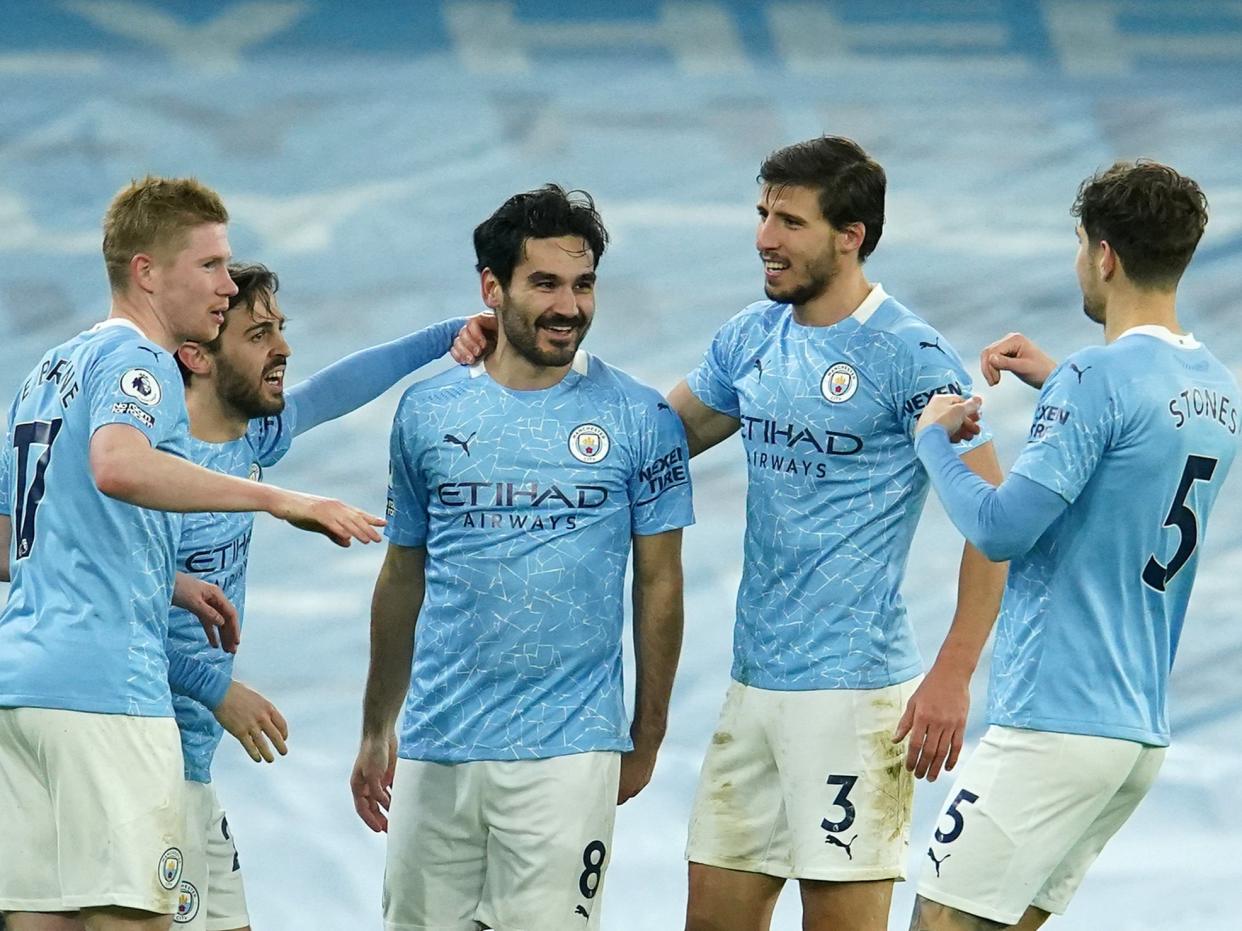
93	811
1029	813
806	785
213	897
514	846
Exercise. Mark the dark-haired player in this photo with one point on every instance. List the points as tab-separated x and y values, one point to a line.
1102	517
825	380
241	422
519	486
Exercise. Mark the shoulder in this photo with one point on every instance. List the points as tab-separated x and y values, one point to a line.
760	317
906	328
451	383
623	387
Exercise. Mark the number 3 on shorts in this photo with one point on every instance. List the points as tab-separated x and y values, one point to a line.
964	797
843	802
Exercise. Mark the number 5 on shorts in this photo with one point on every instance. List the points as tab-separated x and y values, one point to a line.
964	797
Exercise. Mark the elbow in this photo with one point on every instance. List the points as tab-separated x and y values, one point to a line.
999	549
111	477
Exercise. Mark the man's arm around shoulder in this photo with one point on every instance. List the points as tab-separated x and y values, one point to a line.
704	426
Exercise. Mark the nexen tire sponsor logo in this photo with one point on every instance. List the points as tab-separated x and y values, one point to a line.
667	471
919	401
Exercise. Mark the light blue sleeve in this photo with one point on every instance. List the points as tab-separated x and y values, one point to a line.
407	493
1000	522
197	680
660	486
6	475
712	382
365	375
138	386
935	368
1077	417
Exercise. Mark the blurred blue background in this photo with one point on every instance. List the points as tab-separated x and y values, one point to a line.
357	145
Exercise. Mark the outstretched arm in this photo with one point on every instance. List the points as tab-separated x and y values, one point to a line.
658	619
363	376
125	466
395	607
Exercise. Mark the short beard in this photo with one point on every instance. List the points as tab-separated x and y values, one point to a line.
801	295
525	340
242	395
1093	309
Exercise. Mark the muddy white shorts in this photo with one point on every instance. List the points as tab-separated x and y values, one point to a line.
93	811
806	785
516	846
1029	813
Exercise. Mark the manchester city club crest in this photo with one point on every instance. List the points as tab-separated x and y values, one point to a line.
170	868
839	383
588	443
256	472
142	386
187	904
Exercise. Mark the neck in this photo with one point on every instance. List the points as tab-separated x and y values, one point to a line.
847	290
510	368
211	419
1131	307
137	309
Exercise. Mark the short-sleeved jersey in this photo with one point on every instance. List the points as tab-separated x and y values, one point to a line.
526	502
1137	436
87	613
215	547
835	489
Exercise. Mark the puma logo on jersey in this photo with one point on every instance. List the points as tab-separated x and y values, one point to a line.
579	910
937	862
837	842
1079	372
759	367
936	346
464	444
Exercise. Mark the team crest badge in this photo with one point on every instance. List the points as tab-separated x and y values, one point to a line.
170	868
839	383
588	443
142	386
256	472
187	903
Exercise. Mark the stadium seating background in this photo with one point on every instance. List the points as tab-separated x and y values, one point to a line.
357	146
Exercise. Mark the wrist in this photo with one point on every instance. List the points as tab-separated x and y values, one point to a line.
956	660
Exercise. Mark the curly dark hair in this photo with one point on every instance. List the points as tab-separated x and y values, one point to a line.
544	213
851	184
1152	217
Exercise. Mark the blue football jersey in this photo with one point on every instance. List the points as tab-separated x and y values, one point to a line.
215	547
835	489
1137	436
87	612
527	502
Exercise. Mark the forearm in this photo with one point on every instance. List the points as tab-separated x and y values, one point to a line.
195	679
658	625
363	376
1002	522
394	616
980	587
138	474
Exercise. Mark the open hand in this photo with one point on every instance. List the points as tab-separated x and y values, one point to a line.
476	339
371	781
336	520
211	606
253	720
935	720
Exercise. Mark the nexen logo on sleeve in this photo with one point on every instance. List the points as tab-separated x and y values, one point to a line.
667	471
919	401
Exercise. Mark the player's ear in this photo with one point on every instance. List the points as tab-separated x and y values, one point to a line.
493	292
194	359
142	272
850	238
1106	260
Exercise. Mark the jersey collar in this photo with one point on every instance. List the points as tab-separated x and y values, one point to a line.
118	321
871	303
1164	334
